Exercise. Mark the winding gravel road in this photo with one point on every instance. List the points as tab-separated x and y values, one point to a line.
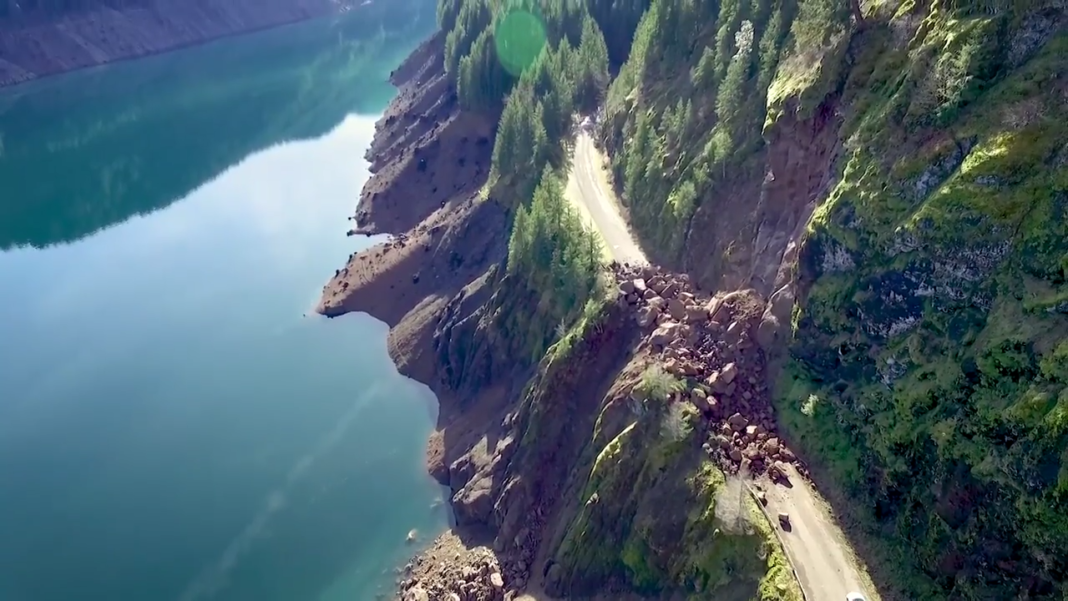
591	194
816	547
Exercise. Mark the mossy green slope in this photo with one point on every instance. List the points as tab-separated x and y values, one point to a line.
927	352
649	521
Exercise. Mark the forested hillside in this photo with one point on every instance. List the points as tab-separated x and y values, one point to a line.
892	176
537	64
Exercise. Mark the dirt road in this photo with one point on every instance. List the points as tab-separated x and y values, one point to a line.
814	544
591	194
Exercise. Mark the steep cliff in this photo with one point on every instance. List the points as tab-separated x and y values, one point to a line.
888	179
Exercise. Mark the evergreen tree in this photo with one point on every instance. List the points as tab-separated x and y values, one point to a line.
521	147
592	71
482	82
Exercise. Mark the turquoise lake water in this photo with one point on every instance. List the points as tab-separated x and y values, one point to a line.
175	423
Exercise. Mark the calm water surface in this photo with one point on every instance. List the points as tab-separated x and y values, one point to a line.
173	426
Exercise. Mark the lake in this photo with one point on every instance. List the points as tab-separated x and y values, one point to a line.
175	422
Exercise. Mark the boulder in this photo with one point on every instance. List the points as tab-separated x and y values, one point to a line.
639	285
474	503
699	399
658	303
735	455
647	316
496	580
670	290
715	382
677	309
737	422
664	334
649	295
777	471
713	404
712	307
728	373
627	286
767	332
695	314
658	284
416	593
771	447
720	313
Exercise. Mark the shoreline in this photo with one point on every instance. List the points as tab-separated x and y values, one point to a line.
99	37
5	85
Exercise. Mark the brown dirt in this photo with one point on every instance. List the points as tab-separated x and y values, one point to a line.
33	46
430	283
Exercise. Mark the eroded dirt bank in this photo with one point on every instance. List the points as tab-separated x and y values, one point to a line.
34	45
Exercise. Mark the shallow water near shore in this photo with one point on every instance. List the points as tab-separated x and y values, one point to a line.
175	424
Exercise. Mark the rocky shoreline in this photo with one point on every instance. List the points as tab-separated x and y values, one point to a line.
428	162
33	46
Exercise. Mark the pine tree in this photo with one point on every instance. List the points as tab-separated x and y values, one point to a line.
593	75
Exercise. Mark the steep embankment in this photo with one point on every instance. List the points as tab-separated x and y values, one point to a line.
39	42
538	453
885	181
900	199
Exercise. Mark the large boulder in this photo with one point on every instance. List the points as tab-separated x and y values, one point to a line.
647	316
665	334
677	309
728	373
699	398
695	314
737	422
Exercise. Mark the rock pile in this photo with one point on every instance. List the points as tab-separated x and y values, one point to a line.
708	342
477	577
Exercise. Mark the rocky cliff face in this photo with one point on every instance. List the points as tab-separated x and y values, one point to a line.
36	43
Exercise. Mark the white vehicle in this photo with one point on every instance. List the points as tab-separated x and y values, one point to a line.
855	597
